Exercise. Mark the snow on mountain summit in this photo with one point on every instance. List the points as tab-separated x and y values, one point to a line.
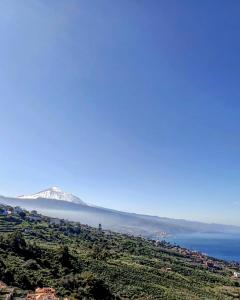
54	193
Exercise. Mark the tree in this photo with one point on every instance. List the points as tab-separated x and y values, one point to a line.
64	256
22	214
16	241
93	288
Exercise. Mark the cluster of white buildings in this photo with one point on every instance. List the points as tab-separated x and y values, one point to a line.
32	216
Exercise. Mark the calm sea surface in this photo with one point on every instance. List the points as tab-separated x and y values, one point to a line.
223	246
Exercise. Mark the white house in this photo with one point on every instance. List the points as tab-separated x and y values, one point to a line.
236	274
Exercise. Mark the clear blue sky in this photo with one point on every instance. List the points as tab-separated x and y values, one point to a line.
132	105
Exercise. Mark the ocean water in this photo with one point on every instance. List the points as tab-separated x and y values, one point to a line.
222	246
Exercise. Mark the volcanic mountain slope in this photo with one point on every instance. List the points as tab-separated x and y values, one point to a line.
55	203
54	193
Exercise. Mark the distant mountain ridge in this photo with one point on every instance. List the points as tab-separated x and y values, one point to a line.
56	203
54	193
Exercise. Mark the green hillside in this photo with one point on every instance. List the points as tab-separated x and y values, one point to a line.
82	262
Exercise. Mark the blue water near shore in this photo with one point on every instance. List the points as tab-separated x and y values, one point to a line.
222	246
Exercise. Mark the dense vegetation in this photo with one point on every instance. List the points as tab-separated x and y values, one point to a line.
87	263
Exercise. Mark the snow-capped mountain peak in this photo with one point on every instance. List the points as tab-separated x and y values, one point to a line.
54	193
